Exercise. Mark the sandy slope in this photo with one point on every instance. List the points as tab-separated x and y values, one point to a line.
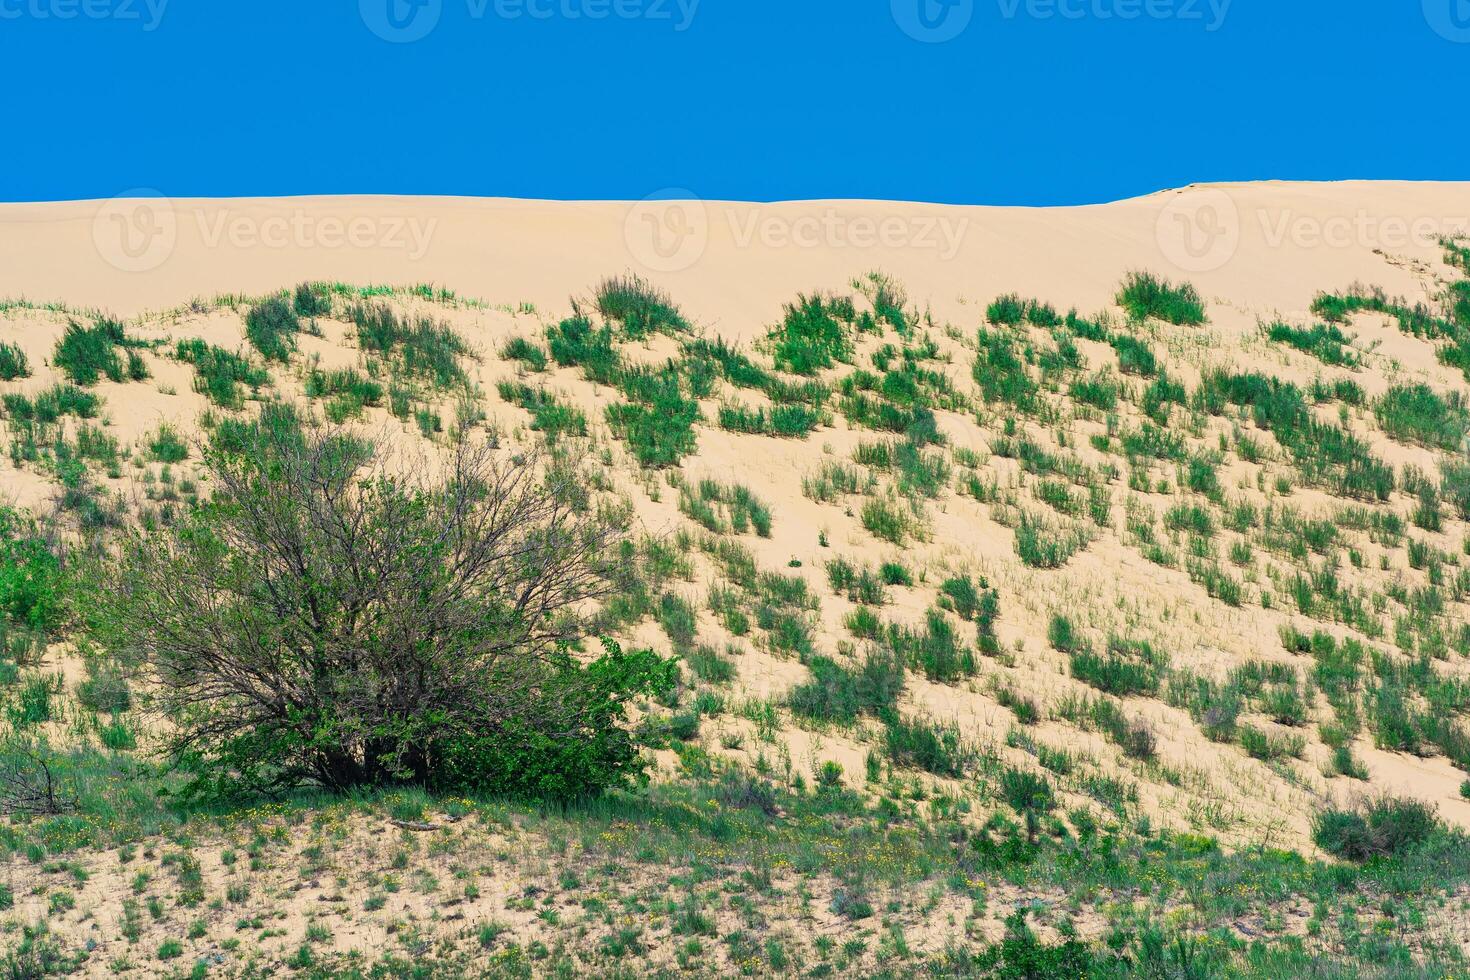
1261	247
1253	250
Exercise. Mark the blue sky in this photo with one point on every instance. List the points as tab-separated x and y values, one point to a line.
964	101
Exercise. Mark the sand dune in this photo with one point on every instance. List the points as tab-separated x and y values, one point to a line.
1263	247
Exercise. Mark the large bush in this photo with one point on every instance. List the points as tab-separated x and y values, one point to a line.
1380	828
331	619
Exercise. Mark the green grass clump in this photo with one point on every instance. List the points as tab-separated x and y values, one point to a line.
220	374
167	446
271	327
1126	669
88	354
1011	310
919	743
785	421
416	346
861	585
841	694
658	422
721	508
575	342
1325	342
349	392
549	416
1042	544
312	299
51	404
891	520
815	333
528	352
1001	373
13	363
638	307
1270	747
1325	454
1099	391
1144	295
1418	414
1385	827
936	650
1135	356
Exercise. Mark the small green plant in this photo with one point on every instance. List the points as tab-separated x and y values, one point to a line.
167	446
88	354
271	328
1144	295
13	363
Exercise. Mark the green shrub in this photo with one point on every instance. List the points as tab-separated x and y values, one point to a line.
31	578
485	576
1026	791
1385	827
1143	295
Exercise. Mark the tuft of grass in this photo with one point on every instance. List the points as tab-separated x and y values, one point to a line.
549	416
639	307
815	333
88	354
221	374
1418	414
13	363
271	327
1144	295
1326	342
528	352
167	446
312	299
